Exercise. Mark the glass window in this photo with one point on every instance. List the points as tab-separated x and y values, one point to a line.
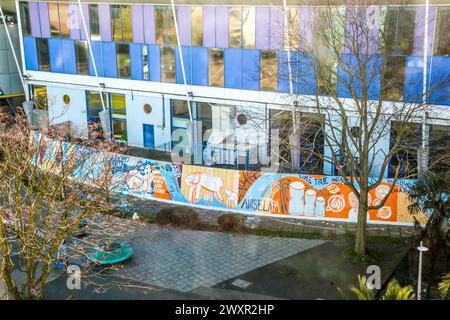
196	26
94	103
145	69
269	70
121	26
442	38
235	27
393	78
81	52
180	109
64	20
291	41
399	30
311	143
119	116
40	97
327	75
94	23
248	27
43	54
165	26
329	29
25	18
118	104
123	60
54	18
215	67
439	148
168	64
408	136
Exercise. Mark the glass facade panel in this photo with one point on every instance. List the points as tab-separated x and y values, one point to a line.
215	67
123	60
168	64
248	27
54	18
118	104
127	28
94	103
64	20
116	26
40	97
393	78
327	75
235	25
119	117
165	26
442	37
197	26
292	39
399	30
145	69
43	54
269	70
25	18
180	109
81	53
409	139
94	23
439	148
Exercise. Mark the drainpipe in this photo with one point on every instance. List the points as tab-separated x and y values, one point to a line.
25	89
188	98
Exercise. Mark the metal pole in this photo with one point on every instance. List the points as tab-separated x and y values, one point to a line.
14	54
421	249
425	69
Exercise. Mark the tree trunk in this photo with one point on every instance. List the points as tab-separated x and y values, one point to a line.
360	241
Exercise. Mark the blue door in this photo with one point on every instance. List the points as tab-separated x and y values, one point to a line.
149	136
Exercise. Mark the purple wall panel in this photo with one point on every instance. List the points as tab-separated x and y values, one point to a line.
34	19
306	23
209	26
419	32
105	22
276	28
184	25
45	19
85	8
149	24
75	24
222	27
262	28
138	23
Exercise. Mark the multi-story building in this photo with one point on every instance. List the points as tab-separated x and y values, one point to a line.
130	51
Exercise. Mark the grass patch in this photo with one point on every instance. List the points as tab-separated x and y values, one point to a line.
372	256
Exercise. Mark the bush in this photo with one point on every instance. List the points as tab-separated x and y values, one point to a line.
231	222
372	256
178	217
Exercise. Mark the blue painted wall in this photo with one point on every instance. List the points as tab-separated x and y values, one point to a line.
30	49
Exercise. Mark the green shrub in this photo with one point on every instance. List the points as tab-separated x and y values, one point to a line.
372	256
231	222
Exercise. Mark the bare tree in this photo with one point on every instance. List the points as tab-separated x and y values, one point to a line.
349	49
45	201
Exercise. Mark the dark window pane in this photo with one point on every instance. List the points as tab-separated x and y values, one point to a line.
215	67
81	51
94	22
94	104
123	60
167	64
43	54
393	78
116	27
399	30
439	149
160	25
180	109
25	18
442	38
408	138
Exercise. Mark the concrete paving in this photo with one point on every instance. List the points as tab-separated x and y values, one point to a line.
184	260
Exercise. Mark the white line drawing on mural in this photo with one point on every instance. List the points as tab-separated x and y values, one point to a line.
210	184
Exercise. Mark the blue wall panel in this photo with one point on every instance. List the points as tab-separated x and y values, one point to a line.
68	50
440	81
187	65
136	61
109	59
373	76
250	61
283	71
31	59
56	55
307	83
233	68
154	62
199	66
97	53
413	85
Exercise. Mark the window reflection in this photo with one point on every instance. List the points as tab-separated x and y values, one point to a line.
43	54
94	22
25	18
81	53
123	60
399	30
248	27
442	38
165	26
119	116
269	70
291	41
121	25
393	78
145	70
215	67
54	19
64	20
196	26
235	27
167	64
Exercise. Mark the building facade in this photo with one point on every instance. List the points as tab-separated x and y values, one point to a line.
159	74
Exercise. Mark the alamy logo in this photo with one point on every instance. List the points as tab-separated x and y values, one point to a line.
374	277
74	279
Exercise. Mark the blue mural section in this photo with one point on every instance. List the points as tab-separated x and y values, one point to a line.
242	69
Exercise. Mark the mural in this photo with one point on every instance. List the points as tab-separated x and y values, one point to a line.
290	195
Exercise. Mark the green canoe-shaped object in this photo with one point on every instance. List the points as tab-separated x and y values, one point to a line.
117	252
